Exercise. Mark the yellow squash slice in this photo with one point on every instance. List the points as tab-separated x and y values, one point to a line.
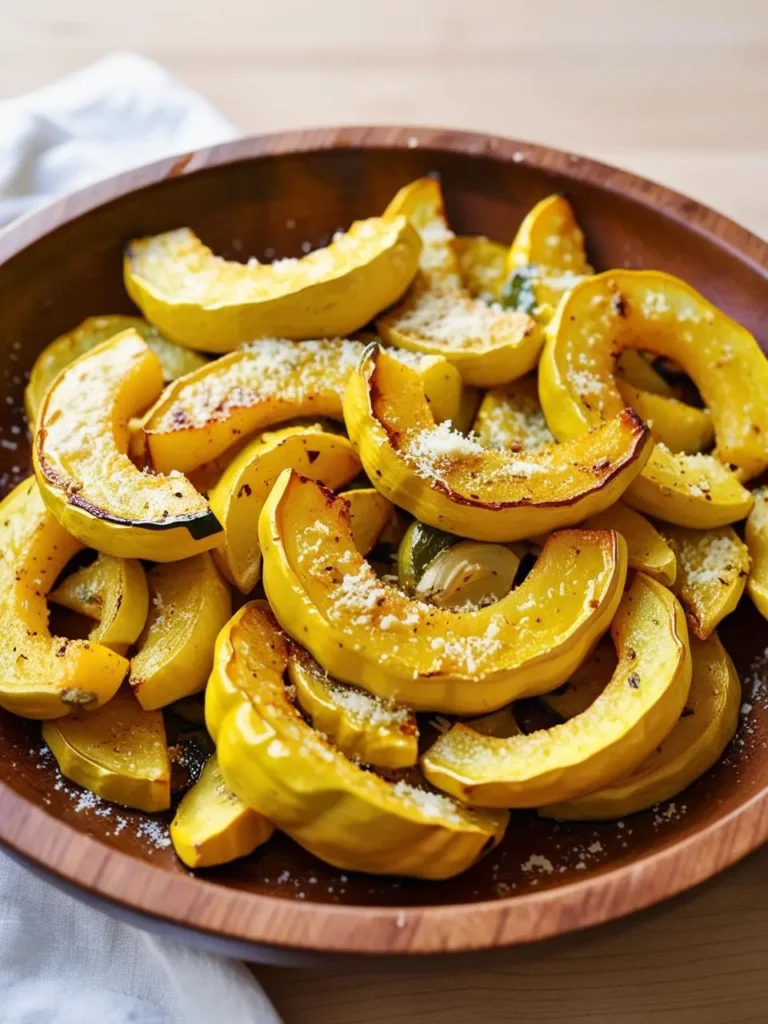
634	713
454	483
366	632
586	684
369	516
174	359
621	309
706	726
363	727
713	566
190	603
756	535
114	592
487	344
43	676
511	417
203	414
212	826
118	752
237	498
681	427
85	475
277	764
647	550
482	265
207	303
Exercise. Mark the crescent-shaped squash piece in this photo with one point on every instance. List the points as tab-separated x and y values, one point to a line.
118	752
93	331
279	765
482	265
85	475
704	729
212	826
370	514
487	344
681	427
366	632
638	708
238	497
756	536
713	566
454	483
651	310
647	550
208	303
114	592
43	676
363	727
190	603
201	415
511	417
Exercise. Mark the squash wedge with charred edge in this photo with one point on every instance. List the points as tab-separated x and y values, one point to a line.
174	359
207	303
712	571
454	483
190	603
369	514
85	476
118	752
237	498
439	316
212	826
277	764
647	550
756	536
363	727
368	633
646	309
43	676
114	592
200	416
696	742
637	709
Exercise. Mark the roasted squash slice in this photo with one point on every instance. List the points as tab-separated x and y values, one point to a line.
713	566
362	726
704	729
207	303
118	752
647	550
174	359
487	344
454	483
756	535
681	427
190	603
200	416
482	265
511	417
634	713
43	676
279	765
366	632
237	498
621	309
586	684
212	826
85	476
114	592
369	516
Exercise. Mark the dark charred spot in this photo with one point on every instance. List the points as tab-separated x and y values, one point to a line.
631	653
312	456
686	712
634	680
246	490
619	304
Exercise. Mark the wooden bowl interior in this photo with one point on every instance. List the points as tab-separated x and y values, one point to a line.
269	207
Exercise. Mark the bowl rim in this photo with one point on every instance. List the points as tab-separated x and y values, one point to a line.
82	862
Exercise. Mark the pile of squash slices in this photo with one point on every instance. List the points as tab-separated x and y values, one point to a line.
422	478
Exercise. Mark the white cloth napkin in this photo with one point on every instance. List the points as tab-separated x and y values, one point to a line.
60	961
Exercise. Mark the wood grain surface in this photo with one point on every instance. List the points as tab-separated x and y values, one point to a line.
674	90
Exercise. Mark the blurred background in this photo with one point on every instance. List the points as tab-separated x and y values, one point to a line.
674	89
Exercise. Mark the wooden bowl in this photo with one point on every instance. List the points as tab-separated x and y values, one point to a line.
265	197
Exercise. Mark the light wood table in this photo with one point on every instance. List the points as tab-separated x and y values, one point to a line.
675	90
